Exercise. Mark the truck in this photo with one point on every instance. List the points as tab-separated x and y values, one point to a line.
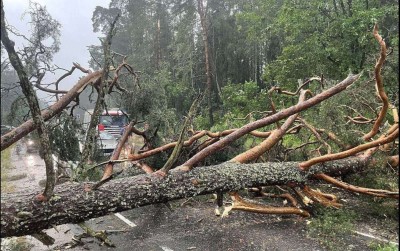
112	120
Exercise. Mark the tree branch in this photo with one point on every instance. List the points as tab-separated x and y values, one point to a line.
20	215
329	157
379	86
268	120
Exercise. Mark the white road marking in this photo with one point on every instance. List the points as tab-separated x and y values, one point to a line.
376	238
130	223
166	248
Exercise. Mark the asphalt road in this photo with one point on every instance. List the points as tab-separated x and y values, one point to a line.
185	225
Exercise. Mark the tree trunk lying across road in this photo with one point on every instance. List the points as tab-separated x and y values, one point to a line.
21	215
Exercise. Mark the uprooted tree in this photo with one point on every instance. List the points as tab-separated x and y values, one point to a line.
185	173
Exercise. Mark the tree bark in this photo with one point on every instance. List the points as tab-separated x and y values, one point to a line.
90	140
33	103
269	120
204	33
21	215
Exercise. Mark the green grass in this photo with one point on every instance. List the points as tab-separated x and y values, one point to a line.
383	247
5	169
331	226
377	175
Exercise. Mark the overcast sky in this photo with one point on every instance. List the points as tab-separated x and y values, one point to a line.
76	31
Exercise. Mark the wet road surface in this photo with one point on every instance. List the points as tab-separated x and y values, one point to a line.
192	226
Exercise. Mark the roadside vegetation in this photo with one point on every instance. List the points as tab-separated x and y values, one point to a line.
20	243
306	89
5	170
331	226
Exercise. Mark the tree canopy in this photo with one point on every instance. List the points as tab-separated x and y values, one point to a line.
308	88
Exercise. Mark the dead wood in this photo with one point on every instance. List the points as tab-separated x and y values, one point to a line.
267	144
21	215
269	120
379	86
329	157
245	205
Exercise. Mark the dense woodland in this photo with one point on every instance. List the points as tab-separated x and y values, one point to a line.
215	82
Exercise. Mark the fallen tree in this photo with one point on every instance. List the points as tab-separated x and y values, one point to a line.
21	215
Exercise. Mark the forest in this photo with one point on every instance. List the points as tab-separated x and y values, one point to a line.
267	97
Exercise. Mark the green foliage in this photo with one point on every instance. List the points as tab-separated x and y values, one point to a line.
87	173
378	175
293	40
286	41
150	101
158	161
382	209
319	39
330	226
243	98
18	111
241	103
225	154
294	141
63	137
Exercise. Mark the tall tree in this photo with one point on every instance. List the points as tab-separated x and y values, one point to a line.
36	55
207	56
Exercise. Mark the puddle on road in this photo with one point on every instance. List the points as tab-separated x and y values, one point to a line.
62	235
30	160
33	166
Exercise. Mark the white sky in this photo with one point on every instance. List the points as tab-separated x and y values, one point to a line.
76	31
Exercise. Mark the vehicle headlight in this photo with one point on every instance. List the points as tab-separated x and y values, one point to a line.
30	142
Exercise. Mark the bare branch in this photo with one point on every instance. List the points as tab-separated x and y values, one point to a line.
369	191
268	120
316	134
275	136
280	91
329	157
379	86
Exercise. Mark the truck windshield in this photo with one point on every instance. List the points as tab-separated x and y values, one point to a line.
108	120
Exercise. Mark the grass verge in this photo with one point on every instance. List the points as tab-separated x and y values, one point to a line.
5	170
332	226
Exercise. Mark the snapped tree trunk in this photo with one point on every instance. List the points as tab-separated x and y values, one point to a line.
21	215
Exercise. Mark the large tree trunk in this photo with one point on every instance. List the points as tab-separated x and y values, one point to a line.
21	215
204	33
